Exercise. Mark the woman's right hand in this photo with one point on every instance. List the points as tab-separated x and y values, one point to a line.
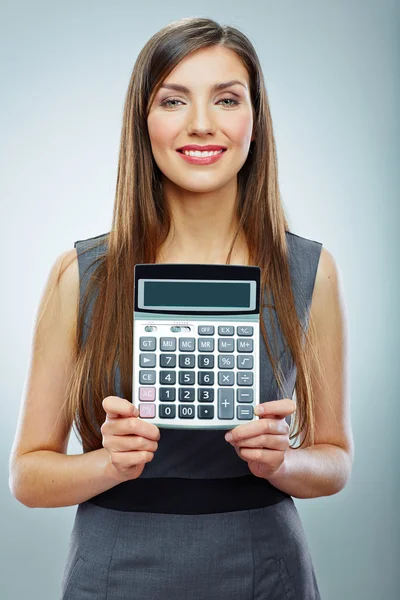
129	441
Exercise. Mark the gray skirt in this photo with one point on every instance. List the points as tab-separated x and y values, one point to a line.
257	554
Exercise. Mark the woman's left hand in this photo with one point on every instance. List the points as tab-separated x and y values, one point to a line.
264	442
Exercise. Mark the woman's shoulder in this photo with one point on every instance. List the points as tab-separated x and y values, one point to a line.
304	253
300	242
304	256
91	248
95	241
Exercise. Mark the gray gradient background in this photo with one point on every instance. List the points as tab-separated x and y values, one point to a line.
332	75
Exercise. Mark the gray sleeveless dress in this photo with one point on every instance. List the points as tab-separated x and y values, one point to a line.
197	524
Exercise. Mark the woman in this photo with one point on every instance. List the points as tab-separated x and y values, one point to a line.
177	513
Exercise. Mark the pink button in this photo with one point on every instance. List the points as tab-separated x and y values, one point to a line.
147	394
147	410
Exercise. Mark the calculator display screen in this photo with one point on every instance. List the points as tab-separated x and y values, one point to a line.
199	295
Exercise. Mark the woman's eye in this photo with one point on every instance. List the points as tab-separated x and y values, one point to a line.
235	102
168	102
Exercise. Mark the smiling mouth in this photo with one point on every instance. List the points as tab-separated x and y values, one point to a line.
218	151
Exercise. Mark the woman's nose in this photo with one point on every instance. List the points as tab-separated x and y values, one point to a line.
200	121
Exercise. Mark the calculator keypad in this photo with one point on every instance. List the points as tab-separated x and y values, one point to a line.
209	377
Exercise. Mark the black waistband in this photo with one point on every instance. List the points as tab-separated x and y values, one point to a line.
174	495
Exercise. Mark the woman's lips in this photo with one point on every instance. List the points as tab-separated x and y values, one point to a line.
201	160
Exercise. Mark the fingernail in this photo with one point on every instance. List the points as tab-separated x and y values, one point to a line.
229	437
259	410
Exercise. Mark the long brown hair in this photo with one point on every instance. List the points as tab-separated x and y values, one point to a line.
141	223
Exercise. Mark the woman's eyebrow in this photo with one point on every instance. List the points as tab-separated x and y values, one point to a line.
215	88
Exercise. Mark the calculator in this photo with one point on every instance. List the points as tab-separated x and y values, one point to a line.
196	332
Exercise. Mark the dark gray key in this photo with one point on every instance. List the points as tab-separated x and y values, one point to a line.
167	377
167	411
205	412
205	378
167	394
186	394
206	362
186	411
205	395
186	377
187	361
168	360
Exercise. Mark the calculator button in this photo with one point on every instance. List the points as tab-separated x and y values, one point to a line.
167	411
147	377
225	330
186	411
186	344
147	360
244	330
205	330
226	362
205	362
167	344
245	345
206	395
245	378
186	394
147	343
225	345
167	377
205	345
167	360
147	394
206	378
186	377
187	361
244	362
225	404
244	395
205	412
147	410
226	378
244	413
167	394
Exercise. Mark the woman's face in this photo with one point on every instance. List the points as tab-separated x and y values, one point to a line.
202	116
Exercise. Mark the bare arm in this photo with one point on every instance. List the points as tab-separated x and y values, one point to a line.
40	472
325	468
48	479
